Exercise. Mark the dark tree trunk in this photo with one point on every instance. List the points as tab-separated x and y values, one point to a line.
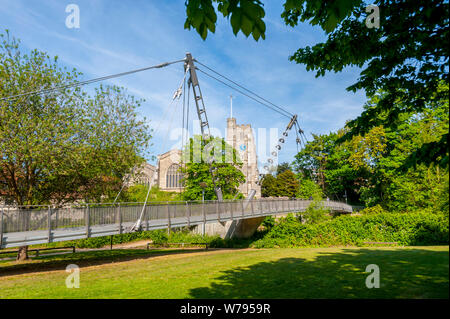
22	254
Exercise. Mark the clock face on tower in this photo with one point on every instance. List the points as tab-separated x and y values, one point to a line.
242	147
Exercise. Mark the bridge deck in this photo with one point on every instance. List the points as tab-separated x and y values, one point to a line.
19	227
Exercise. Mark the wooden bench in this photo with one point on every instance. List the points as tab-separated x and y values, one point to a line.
380	243
178	244
37	250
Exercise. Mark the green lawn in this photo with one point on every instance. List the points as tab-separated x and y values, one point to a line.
410	272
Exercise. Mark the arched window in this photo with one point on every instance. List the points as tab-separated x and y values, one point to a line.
174	176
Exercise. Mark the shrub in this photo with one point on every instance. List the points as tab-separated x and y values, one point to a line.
309	189
268	222
98	242
406	229
316	213
156	236
372	210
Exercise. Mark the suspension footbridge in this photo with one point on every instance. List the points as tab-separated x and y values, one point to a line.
46	224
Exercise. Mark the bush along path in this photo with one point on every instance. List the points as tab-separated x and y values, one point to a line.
408	229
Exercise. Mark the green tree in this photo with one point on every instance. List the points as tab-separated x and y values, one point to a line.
315	213
382	152
283	167
310	190
59	147
369	167
325	162
287	184
311	161
269	186
406	56
284	184
196	170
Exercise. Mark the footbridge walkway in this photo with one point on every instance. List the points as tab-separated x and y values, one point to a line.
46	224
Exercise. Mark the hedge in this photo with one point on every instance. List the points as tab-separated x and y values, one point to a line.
404	228
157	236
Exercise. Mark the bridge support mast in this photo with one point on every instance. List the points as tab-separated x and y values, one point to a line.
202	117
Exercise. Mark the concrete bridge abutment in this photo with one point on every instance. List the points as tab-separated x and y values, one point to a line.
242	228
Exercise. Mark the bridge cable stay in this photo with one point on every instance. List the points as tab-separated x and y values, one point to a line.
185	142
185	139
183	120
188	111
245	94
268	104
176	96
133	169
81	83
301	137
247	90
123	185
166	111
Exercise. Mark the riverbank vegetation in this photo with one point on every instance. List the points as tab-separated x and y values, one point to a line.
404	229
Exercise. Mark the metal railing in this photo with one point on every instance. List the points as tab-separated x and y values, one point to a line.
45	224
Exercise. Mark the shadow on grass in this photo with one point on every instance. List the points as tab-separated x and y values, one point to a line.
84	259
238	242
407	273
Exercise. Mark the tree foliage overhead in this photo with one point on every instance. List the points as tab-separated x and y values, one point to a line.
60	147
406	57
245	15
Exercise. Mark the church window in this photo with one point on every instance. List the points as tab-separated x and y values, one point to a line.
174	176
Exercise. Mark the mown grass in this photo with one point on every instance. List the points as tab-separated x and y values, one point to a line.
405	272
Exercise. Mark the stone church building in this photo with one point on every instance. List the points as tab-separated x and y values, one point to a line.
167	174
241	138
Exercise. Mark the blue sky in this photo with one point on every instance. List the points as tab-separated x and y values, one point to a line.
116	36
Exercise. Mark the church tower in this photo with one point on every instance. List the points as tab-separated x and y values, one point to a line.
242	139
